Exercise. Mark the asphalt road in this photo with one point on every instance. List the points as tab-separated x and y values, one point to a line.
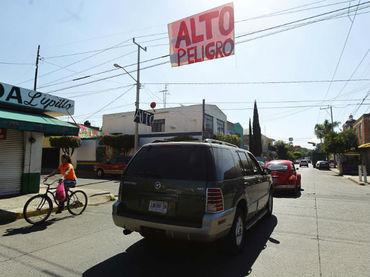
324	232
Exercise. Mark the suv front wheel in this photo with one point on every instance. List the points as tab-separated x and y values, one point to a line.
236	239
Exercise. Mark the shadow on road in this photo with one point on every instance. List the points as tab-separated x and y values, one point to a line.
172	258
32	228
287	194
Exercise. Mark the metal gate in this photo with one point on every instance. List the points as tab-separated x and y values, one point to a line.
11	162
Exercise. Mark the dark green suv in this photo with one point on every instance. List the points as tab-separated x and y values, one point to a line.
199	191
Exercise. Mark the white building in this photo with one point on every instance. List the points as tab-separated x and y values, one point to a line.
170	122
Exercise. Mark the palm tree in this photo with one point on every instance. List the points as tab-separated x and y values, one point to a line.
321	130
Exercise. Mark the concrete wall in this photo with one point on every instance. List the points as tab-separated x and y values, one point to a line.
32	161
180	120
87	150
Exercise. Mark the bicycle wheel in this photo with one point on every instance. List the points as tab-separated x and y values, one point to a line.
37	209
77	202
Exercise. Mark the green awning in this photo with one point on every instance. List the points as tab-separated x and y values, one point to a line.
50	126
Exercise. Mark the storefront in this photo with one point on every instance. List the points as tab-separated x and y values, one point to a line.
26	116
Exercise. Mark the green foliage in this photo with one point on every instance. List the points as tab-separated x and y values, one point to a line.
291	156
183	138
121	142
339	142
321	130
281	149
233	139
297	155
65	143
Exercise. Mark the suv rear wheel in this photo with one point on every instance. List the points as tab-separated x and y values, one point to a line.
235	240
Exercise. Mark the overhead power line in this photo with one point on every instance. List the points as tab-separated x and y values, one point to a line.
53	83
114	100
78	61
307	18
293	10
106	71
16	63
344	47
259	82
106	78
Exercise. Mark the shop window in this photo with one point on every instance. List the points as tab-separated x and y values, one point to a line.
220	126
208	125
158	125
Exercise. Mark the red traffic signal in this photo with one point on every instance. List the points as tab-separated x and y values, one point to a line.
153	105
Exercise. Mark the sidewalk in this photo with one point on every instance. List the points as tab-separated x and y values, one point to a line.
352	178
11	208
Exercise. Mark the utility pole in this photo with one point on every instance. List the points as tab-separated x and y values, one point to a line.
136	144
165	93
203	112
331	116
37	68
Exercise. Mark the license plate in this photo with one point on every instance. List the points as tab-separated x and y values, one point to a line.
274	180
158	206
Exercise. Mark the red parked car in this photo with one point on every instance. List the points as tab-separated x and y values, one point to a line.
284	175
114	166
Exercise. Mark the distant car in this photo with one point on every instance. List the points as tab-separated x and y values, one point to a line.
303	163
322	165
284	175
332	163
113	166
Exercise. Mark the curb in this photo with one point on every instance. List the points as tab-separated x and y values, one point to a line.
13	216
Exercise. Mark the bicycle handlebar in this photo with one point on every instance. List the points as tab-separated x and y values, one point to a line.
44	182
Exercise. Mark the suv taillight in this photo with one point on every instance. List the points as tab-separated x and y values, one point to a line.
215	200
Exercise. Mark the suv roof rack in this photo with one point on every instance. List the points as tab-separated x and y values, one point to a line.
220	142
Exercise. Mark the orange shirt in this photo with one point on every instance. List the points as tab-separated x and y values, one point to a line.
71	174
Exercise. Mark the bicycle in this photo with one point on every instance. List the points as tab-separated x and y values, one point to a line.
39	207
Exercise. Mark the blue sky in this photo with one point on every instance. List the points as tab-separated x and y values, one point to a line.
311	52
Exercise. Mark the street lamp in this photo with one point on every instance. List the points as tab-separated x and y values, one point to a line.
137	80
136	142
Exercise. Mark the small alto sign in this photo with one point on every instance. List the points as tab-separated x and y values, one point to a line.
204	36
143	117
17	96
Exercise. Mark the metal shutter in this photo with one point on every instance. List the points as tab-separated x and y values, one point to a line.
11	162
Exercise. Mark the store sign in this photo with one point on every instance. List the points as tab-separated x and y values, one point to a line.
143	117
204	36
2	134
13	95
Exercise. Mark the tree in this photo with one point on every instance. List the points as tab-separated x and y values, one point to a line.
124	143
257	138
233	139
281	149
65	143
321	130
251	145
339	143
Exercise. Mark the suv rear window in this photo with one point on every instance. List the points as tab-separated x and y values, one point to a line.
181	162
276	166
